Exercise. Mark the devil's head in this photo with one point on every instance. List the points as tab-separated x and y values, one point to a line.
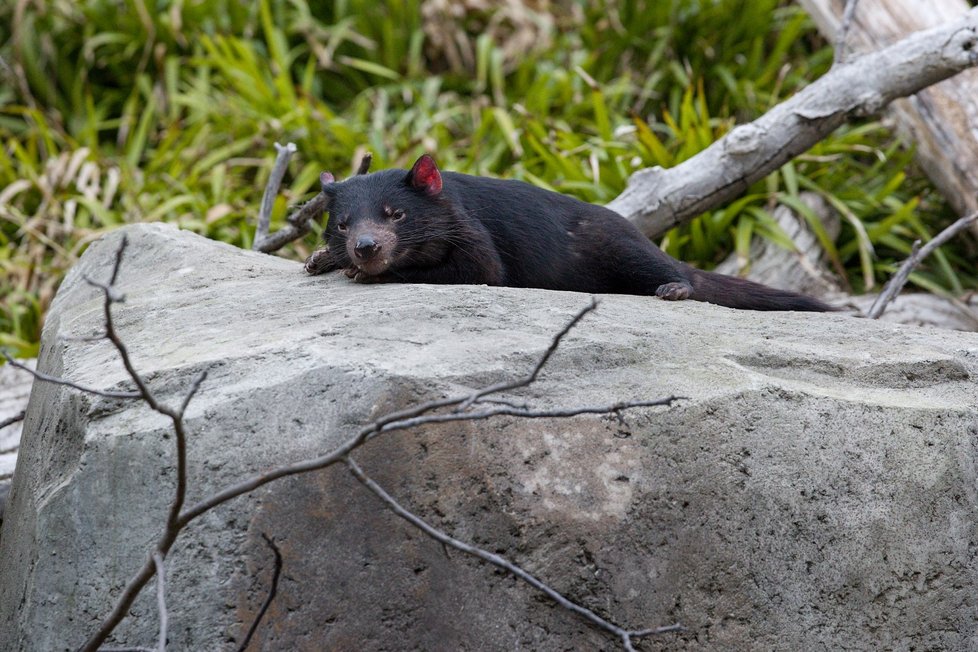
384	219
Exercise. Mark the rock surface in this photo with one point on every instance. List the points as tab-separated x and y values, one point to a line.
816	491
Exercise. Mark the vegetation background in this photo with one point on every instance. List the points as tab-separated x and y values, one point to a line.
119	111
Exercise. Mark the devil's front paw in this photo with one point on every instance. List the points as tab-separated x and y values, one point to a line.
674	291
319	261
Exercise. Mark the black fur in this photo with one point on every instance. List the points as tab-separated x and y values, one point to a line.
425	226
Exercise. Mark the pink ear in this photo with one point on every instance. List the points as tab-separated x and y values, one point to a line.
425	176
326	178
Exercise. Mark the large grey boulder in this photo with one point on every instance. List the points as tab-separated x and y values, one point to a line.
816	491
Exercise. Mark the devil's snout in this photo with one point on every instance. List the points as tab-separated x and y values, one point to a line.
366	247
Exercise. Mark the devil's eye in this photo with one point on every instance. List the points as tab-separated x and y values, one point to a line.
341	224
397	215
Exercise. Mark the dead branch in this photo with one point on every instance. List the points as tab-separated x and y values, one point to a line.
59	381
300	220
112	296
656	200
917	254
283	155
9	421
498	561
272	590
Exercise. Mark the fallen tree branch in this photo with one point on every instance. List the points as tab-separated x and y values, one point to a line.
300	220
942	120
498	561
917	254
283	155
657	200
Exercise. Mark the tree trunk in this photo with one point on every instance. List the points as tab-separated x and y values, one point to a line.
941	120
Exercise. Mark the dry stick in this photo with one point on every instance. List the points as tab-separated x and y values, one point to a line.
172	529
917	254
841	38
161	600
501	562
657	200
276	572
384	424
507	385
12	420
299	220
282	156
60	381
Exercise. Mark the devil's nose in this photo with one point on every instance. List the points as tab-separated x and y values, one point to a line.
366	247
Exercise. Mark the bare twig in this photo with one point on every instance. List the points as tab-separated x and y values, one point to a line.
526	380
283	155
9	421
172	529
841	40
299	224
501	562
161	600
272	590
523	413
414	417
299	221
917	254
67	383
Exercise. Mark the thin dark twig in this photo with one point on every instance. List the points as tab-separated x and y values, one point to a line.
161	600
273	589
283	155
841	39
554	343
194	387
496	560
917	254
524	413
364	166
172	529
377	426
9	421
67	383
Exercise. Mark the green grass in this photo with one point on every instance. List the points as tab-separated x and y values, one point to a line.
117	112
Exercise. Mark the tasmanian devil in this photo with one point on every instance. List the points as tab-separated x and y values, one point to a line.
426	226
